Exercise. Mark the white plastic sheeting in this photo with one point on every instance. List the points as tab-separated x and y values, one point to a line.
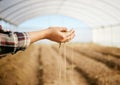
95	13
109	36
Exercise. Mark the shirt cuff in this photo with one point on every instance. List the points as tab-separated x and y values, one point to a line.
23	40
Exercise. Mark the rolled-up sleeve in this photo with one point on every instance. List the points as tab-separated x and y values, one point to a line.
11	42
22	40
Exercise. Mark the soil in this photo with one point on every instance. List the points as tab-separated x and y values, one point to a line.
71	64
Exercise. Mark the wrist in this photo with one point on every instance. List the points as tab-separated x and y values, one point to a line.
47	33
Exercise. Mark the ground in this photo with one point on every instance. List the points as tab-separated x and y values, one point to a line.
71	64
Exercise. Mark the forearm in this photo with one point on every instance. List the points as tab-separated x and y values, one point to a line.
38	35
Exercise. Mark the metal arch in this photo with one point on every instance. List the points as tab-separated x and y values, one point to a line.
90	24
22	2
92	18
31	16
8	21
89	21
112	4
29	4
23	19
83	18
39	14
95	13
115	12
108	22
18	19
96	9
25	11
23	7
59	13
31	12
102	9
15	4
93	6
12	5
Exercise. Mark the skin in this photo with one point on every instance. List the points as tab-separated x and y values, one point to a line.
57	34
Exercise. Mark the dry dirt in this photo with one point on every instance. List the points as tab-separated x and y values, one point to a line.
71	64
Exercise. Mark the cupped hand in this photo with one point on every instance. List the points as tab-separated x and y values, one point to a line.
60	34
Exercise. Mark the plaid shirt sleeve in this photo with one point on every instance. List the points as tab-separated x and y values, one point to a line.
11	42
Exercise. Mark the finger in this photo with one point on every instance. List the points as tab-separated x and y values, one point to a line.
70	33
70	37
63	29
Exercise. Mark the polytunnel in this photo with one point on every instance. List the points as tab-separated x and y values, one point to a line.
102	16
94	62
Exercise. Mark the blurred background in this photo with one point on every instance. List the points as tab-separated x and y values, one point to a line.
91	58
95	21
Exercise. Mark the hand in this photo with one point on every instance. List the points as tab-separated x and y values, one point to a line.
60	34
57	34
